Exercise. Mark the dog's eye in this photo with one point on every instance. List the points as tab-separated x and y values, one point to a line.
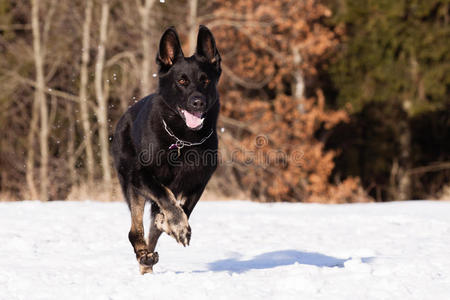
184	82
204	80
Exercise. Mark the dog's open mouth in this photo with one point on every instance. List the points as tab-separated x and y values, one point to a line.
193	120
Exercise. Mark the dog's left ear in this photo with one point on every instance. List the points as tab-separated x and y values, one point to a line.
206	46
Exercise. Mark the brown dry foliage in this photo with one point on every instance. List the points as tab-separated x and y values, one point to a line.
278	157
275	153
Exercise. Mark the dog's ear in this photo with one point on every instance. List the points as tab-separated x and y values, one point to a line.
169	48
206	46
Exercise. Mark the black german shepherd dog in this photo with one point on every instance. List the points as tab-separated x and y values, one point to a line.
165	145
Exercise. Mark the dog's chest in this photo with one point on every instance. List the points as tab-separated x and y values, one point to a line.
190	172
186	173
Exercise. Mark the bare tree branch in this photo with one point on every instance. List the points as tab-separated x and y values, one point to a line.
438	166
17	27
243	82
47	90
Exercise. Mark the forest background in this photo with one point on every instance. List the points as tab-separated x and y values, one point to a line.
329	101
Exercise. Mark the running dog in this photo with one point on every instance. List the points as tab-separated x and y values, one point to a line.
165	145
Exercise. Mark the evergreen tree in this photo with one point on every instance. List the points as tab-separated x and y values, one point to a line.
396	53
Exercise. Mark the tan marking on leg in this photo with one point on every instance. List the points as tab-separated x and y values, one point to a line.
137	226
181	200
145	269
170	194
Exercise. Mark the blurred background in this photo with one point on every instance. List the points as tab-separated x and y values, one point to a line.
329	101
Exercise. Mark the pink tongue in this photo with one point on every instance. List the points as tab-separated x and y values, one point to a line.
192	120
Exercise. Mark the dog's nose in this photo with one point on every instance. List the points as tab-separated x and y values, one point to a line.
197	103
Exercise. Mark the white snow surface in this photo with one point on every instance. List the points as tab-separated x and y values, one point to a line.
239	250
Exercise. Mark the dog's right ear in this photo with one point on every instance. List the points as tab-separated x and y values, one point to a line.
169	49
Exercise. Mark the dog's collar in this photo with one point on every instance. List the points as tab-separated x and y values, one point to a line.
179	143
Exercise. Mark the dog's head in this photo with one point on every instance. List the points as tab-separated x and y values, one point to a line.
189	84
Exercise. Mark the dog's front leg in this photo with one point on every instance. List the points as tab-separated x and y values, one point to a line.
145	257
171	219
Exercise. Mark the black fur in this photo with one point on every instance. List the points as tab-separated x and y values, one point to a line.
147	169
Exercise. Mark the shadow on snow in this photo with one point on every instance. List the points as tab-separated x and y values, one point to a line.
279	258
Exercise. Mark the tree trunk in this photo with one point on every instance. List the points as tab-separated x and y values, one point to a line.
40	99
71	145
403	188
404	177
192	22
31	153
84	110
148	52
102	114
299	80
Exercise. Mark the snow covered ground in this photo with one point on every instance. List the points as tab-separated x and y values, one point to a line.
239	250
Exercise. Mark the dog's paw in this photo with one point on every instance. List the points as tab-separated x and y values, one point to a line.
182	235
175	225
146	260
149	259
